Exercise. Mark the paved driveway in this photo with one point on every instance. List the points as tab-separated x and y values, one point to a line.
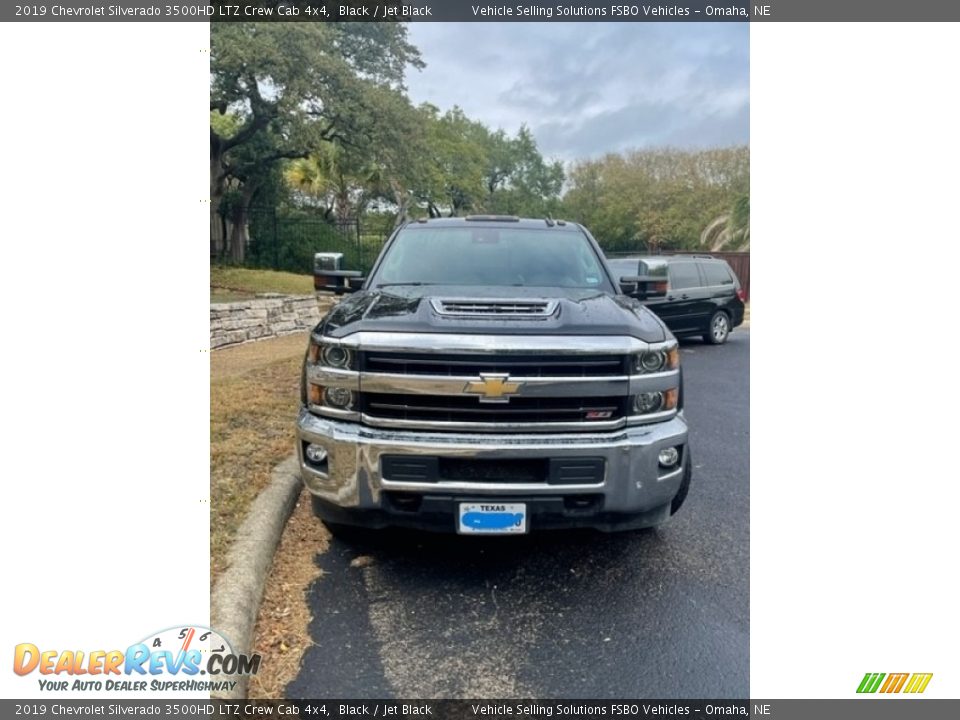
661	613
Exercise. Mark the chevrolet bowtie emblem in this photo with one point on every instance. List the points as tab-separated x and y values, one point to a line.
493	387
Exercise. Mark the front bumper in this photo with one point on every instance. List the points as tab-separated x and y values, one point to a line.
632	491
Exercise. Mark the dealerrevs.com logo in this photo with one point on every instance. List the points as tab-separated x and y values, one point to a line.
894	683
182	659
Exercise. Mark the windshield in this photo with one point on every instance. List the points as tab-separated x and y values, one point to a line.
491	256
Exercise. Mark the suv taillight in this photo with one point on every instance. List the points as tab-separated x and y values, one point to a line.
741	294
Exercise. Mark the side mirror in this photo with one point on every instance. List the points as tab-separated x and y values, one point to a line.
328	275
644	287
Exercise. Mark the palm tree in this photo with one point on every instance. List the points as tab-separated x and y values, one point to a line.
730	231
340	182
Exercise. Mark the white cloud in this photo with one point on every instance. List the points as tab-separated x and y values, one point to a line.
590	88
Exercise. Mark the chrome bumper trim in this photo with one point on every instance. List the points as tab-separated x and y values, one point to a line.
351	478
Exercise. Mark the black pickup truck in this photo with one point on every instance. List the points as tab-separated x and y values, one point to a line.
490	376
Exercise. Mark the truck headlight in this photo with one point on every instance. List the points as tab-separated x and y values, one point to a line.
335	356
338	397
648	402
652	361
651	402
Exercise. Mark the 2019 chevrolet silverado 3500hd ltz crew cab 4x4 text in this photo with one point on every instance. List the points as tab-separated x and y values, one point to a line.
491	376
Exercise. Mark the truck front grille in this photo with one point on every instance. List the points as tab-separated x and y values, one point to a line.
578	366
552	391
469	409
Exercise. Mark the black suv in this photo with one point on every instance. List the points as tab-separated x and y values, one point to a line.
692	294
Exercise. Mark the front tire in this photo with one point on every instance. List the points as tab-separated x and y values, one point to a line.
341	531
350	534
718	330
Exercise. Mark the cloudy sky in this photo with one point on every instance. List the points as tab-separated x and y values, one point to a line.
591	88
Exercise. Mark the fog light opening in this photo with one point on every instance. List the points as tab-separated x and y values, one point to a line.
668	457
316	454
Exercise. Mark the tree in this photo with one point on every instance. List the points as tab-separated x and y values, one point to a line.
657	198
340	181
471	169
730	231
288	88
528	184
500	161
455	149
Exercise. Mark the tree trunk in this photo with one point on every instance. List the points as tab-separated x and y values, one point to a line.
403	213
239	224
218	237
402	200
343	206
238	234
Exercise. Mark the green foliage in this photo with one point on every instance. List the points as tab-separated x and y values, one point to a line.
471	169
661	198
288	241
310	121
530	185
279	91
247	281
730	231
336	178
740	215
226	124
311	78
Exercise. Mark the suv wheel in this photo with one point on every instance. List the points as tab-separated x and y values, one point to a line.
719	329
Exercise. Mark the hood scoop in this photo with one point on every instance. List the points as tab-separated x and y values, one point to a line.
504	309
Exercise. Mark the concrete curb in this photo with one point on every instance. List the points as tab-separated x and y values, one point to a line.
235	600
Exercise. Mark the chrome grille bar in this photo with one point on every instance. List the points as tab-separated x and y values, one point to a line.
495	308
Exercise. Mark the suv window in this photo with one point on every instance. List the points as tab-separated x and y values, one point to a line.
684	275
653	268
716	273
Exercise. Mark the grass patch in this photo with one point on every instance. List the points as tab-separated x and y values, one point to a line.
254	399
222	295
228	284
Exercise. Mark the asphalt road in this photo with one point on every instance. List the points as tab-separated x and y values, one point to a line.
656	614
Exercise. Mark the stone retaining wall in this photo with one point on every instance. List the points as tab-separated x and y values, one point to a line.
266	316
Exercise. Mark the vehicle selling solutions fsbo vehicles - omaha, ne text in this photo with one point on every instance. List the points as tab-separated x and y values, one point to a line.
490	376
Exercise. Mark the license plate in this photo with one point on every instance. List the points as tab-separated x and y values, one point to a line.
492	518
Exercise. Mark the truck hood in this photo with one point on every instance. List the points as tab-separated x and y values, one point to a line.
411	310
